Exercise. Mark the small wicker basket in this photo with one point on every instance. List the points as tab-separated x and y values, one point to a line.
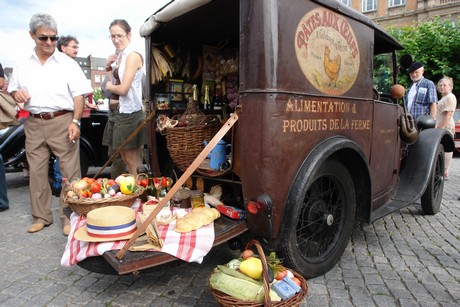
227	301
84	205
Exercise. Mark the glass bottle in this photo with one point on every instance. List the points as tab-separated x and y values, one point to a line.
216	99
164	185
195	97
151	187
195	93
206	101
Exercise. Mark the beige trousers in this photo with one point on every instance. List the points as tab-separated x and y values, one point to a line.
44	137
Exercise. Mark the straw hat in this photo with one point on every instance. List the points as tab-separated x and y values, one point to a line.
111	223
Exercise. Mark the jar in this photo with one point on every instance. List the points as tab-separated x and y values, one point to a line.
197	199
181	199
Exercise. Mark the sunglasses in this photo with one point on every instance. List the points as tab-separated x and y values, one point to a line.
44	38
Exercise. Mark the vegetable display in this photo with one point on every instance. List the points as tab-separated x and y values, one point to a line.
242	278
102	187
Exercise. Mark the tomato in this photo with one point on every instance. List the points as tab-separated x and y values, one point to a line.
111	182
89	180
281	274
297	281
144	182
247	253
95	187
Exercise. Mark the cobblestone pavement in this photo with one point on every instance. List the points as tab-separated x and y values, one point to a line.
404	259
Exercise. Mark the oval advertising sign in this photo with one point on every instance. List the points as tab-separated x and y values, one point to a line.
327	51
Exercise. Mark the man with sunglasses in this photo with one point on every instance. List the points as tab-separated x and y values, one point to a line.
52	87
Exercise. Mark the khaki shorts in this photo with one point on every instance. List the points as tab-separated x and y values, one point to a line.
120	126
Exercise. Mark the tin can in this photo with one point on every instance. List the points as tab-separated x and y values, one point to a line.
197	199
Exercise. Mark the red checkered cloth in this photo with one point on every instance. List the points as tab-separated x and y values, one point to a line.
190	246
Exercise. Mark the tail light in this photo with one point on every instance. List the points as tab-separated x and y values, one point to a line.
262	206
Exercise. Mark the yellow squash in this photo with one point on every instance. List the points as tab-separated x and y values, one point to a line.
252	267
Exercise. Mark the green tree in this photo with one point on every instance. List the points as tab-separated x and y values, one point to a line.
434	42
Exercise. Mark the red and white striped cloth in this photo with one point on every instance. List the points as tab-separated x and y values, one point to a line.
191	246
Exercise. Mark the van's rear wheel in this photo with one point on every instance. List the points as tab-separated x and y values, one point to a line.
432	197
321	220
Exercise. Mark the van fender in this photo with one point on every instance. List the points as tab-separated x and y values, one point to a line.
417	165
328	192
351	156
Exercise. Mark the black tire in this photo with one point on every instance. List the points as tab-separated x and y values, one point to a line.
84	162
321	219
432	197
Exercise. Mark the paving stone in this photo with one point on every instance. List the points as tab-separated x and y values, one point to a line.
404	259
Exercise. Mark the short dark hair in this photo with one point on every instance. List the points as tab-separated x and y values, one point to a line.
65	40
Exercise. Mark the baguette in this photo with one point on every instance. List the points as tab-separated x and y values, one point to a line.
197	218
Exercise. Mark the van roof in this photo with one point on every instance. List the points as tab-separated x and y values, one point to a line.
176	8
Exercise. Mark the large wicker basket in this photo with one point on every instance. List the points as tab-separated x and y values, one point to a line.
230	301
185	143
84	205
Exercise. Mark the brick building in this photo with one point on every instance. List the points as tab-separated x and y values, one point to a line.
404	12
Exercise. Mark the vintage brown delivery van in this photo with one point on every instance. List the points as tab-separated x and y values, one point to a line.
319	143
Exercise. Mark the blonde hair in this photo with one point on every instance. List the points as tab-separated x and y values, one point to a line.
449	80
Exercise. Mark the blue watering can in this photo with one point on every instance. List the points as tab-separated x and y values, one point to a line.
218	155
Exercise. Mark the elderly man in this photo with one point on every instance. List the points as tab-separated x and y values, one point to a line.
52	87
421	97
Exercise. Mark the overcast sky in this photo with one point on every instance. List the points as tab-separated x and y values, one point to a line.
88	20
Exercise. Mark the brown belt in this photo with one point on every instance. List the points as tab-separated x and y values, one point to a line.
50	115
114	106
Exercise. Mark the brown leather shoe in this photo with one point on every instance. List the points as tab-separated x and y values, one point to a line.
66	230
36	227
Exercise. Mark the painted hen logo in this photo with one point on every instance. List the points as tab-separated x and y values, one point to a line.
332	67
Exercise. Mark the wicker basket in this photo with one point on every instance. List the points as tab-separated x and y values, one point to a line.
185	143
227	300
84	205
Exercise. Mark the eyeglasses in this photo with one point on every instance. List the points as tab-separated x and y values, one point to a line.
116	36
44	38
74	47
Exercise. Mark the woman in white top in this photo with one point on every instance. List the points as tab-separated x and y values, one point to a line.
445	118
127	67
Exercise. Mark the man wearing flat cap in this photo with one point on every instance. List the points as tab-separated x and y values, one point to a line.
421	97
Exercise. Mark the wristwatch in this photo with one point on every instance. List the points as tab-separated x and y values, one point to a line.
76	121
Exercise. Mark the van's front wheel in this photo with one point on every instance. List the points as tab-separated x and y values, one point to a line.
432	197
321	220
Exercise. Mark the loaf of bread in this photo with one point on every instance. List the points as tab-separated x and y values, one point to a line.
197	218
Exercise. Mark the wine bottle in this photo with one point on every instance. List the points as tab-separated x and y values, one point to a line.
206	101
151	188
216	99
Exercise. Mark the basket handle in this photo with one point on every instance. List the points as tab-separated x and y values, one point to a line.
141	175
210	118
266	282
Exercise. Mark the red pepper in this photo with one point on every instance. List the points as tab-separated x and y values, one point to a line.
164	182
